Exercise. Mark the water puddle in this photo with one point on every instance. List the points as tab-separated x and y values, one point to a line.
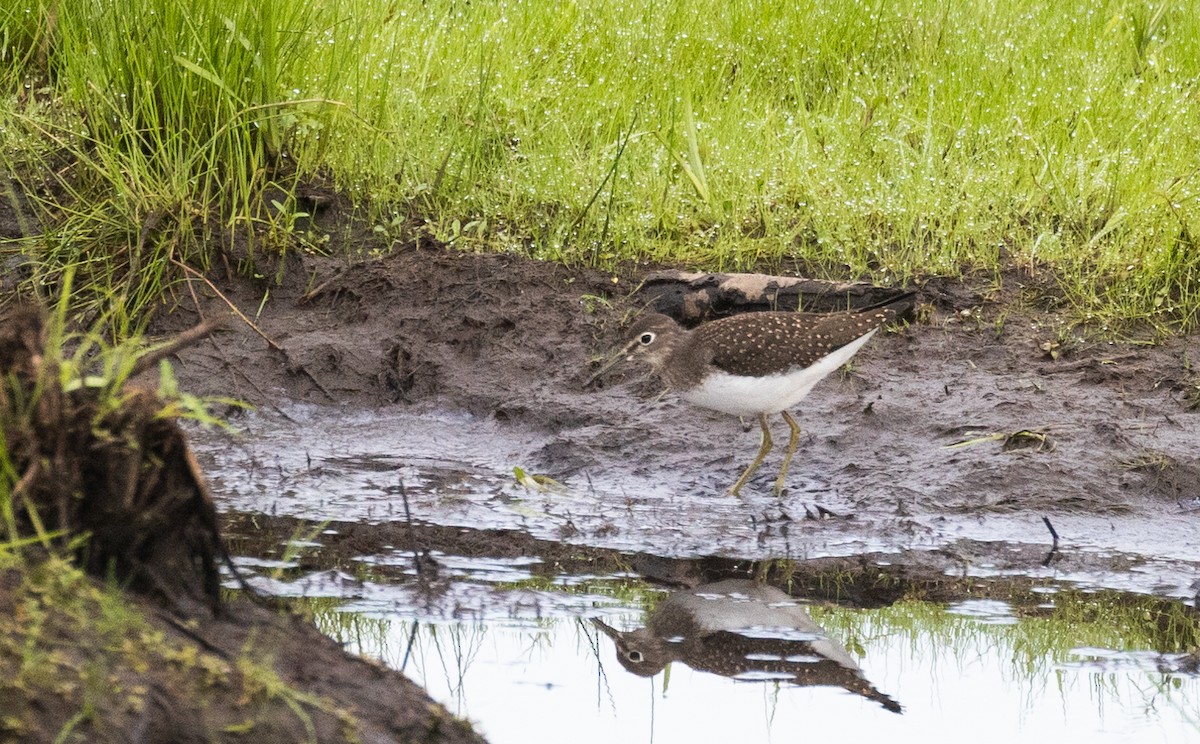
526	609
610	658
454	469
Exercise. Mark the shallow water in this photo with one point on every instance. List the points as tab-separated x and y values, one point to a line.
521	685
348	464
516	650
530	666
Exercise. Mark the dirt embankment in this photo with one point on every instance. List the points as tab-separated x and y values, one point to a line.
101	476
82	665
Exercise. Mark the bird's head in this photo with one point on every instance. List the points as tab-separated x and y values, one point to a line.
639	651
650	338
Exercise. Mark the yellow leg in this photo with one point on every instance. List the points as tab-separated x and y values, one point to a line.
793	440
762	452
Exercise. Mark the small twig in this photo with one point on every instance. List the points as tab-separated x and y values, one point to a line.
21	486
407	512
418	559
1053	532
228	303
270	342
412	639
1084	364
182	627
185	339
312	293
236	369
1054	546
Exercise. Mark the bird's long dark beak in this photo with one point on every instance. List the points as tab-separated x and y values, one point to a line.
607	629
618	356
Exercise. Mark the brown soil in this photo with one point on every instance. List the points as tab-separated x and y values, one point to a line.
250	674
419	325
985	412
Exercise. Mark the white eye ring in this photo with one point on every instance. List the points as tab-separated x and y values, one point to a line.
635	656
646	338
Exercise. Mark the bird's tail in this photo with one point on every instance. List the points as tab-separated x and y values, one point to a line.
901	304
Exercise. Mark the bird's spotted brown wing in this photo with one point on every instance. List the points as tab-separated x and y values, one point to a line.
756	344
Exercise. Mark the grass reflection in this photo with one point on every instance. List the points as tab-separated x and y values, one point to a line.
1032	638
1046	658
1108	632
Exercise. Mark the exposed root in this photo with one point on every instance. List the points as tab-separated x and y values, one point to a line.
107	466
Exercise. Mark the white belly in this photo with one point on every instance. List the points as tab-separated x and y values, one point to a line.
750	396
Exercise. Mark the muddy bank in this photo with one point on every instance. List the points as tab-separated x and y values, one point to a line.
101	669
492	334
971	423
112	624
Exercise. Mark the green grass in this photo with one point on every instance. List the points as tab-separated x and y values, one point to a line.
892	141
1042	638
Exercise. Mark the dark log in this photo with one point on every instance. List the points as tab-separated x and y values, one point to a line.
692	298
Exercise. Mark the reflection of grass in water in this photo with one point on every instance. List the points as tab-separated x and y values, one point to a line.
453	646
420	647
343	627
416	646
1041	641
1044	635
1034	647
627	591
349	627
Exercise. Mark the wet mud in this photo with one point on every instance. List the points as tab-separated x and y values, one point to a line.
1010	572
960	433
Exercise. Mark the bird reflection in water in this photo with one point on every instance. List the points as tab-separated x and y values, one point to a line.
744	630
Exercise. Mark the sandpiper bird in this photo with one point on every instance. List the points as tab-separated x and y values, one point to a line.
755	363
745	630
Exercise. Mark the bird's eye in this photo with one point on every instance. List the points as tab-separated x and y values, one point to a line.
636	656
646	339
